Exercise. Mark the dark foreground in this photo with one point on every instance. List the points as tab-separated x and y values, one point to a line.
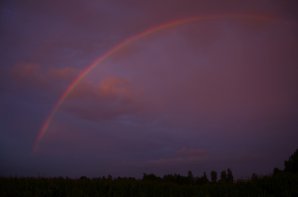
283	184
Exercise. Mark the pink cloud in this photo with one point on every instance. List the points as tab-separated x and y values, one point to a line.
115	86
34	75
112	97
29	74
65	73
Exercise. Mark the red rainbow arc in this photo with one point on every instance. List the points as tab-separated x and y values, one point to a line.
172	24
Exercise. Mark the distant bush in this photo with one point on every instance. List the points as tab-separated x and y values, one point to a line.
291	165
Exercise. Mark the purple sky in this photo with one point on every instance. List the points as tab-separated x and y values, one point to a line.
208	95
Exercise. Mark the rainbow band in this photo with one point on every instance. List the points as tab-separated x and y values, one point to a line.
120	46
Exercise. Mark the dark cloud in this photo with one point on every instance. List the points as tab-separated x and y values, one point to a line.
182	156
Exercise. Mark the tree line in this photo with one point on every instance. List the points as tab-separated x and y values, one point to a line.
281	183
226	176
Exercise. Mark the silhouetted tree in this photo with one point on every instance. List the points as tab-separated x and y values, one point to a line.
213	175
254	177
110	177
150	177
205	178
190	176
84	178
230	177
276	171
202	180
291	165
223	176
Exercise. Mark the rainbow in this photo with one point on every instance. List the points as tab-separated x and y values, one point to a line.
172	24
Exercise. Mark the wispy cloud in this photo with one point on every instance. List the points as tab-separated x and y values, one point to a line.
32	75
181	157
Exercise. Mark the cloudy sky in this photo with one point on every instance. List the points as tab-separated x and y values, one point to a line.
216	90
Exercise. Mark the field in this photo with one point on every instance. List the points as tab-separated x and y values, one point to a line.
283	184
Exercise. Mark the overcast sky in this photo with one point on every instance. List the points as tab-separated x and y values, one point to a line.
208	94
